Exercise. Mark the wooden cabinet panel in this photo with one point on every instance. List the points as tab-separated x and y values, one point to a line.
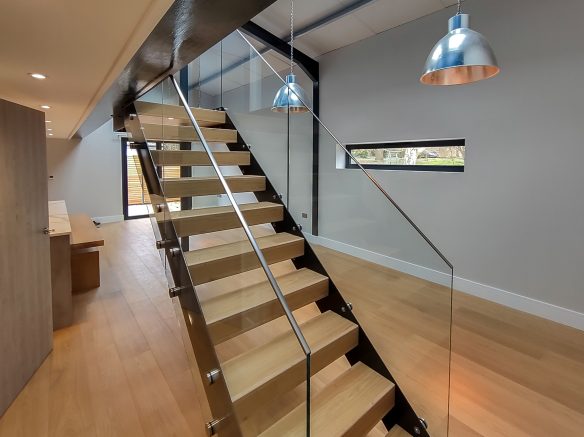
25	278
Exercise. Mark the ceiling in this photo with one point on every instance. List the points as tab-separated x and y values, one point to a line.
81	46
373	17
370	18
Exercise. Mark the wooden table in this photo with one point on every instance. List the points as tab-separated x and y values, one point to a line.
60	232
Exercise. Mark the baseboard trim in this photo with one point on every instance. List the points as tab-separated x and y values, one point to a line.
109	219
509	299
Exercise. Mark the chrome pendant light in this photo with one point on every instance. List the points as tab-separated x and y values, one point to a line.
291	97
463	56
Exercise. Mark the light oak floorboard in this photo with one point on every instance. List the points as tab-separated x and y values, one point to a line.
513	374
121	369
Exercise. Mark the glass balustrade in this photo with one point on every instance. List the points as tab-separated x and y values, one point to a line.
224	262
399	283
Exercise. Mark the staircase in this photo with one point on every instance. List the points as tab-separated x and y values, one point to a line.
351	404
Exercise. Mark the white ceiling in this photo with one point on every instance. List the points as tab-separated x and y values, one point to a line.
82	46
373	18
369	20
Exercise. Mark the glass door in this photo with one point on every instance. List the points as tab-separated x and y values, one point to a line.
135	196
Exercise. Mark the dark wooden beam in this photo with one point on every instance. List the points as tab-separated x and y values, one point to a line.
186	31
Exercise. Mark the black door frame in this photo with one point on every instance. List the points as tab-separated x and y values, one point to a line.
124	147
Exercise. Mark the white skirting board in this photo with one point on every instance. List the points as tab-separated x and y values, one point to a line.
545	310
108	219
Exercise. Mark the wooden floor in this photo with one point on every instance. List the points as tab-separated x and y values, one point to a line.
121	369
512	374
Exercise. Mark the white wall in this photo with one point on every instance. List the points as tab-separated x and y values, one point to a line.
514	220
87	174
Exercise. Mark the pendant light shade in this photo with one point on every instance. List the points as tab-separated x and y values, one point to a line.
463	56
290	97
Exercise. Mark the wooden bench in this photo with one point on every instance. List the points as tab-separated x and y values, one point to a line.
85	240
74	259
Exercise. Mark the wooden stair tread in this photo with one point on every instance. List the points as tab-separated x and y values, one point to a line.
397	431
351	405
205	220
198	157
203	186
233	313
218	262
264	373
205	117
159	132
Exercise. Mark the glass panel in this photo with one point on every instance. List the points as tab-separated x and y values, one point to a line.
400	286
138	197
248	85
240	314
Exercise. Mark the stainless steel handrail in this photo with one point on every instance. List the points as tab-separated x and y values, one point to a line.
251	238
371	178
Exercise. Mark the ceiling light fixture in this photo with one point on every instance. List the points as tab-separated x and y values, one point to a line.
49	129
48	121
51	135
291	97
45	107
462	56
38	76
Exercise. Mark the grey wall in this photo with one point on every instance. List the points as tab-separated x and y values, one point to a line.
514	219
267	133
87	173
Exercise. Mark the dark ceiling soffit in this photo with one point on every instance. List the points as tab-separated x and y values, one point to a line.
309	65
187	30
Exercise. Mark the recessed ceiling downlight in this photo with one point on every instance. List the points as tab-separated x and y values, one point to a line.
38	76
45	107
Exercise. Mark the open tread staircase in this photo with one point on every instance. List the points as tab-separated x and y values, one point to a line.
225	260
234	313
184	134
184	158
219	218
150	112
360	397
206	186
269	371
349	406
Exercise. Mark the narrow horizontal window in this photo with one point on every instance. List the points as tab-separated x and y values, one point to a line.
426	155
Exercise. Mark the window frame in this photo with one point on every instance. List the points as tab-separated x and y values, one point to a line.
454	142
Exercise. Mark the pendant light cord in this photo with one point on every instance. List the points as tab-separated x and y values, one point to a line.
459	10
291	36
